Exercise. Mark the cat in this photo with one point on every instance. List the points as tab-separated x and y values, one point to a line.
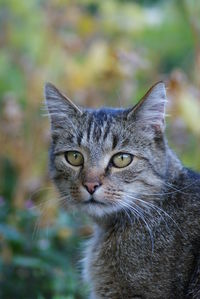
115	165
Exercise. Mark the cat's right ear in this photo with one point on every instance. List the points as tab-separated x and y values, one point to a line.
60	108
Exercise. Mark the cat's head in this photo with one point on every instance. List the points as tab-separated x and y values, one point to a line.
107	160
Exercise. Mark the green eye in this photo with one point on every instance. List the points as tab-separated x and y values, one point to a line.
74	158
122	160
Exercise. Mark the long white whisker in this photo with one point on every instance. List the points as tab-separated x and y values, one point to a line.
156	209
148	209
140	214
39	220
172	192
126	212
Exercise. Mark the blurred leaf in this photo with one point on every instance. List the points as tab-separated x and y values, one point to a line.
30	262
190	111
8	182
10	233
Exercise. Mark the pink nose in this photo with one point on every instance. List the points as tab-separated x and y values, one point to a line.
91	186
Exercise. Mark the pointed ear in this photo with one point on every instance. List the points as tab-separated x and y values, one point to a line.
150	110
60	108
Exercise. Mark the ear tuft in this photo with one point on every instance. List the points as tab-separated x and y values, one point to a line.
150	110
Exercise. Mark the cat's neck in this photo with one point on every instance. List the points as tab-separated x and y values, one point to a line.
174	167
113	222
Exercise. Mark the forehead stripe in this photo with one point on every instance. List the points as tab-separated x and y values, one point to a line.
106	131
90	121
79	138
114	142
97	132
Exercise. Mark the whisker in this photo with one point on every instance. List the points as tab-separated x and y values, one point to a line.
124	209
141	215
42	208
156	209
148	209
40	218
171	192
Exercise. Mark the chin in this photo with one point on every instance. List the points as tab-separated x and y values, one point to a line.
97	210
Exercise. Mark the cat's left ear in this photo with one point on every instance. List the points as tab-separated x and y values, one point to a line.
150	110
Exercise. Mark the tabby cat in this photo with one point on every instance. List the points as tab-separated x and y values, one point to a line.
116	166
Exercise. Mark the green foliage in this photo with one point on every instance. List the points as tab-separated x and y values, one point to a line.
100	53
38	262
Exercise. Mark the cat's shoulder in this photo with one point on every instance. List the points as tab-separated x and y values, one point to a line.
192	180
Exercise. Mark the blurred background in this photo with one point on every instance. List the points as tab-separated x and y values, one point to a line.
99	53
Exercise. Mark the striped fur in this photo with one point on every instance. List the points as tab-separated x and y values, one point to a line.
146	242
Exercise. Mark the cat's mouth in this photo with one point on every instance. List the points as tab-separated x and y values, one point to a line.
93	202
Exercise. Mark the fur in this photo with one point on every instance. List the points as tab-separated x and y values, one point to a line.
146	241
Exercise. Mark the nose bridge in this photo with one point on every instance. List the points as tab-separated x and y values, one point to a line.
95	155
93	175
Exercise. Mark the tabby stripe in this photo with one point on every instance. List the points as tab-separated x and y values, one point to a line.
125	142
142	181
107	129
155	171
90	121
114	142
79	138
97	133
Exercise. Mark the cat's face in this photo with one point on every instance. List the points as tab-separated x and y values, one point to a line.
107	160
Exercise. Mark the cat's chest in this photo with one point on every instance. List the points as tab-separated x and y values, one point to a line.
132	262
136	247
